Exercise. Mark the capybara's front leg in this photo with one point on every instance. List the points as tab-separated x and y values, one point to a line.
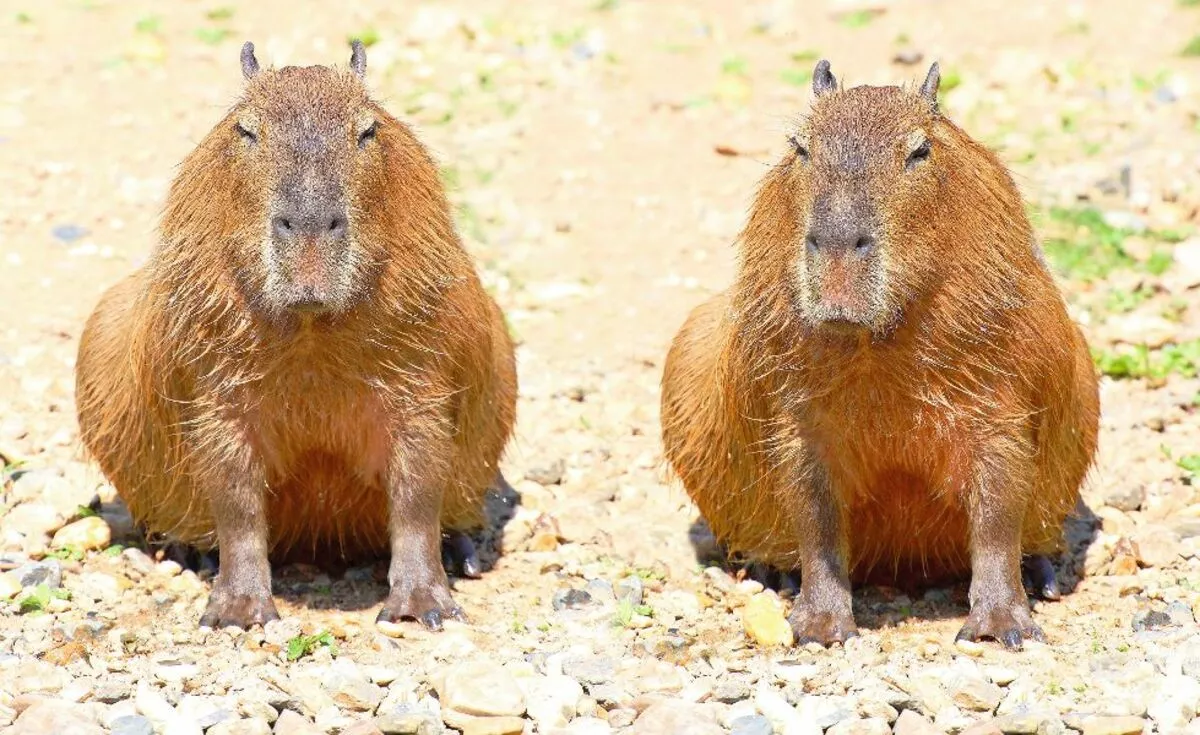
822	610
419	588
241	594
999	607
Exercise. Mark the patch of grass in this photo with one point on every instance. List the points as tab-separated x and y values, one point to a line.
114	550
1140	361
39	599
149	24
735	65
323	589
857	19
1081	245
83	511
1192	48
66	553
1143	83
219	15
606	5
567	39
1189	3
951	80
1054	688
304	645
626	610
796	77
1121	301
806	56
369	36
24	18
1190	463
212	36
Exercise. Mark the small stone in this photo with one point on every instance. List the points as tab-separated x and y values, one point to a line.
1125	725
908	57
354	694
180	726
279	632
571	599
970	648
630	590
585	726
1125	496
493	726
10	586
825	711
1174	706
911	723
856	726
48	716
205	711
132	725
590	670
622	717
976	694
1030	723
764	622
47	572
1151	620
676	718
86	534
409	723
68	232
362	728
1157	547
390	629
251	726
1001	675
1180	613
730	689
33	520
751	725
293	723
781	714
481	688
981	728
551	474
175	670
551	700
151	703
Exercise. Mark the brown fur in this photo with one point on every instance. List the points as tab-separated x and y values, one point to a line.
186	373
971	378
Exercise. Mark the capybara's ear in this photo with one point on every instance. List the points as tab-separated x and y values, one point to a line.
358	58
249	63
929	88
823	80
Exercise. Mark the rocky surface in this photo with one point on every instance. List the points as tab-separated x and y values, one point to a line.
600	156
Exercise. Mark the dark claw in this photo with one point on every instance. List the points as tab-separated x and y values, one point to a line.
242	611
1042	578
432	619
459	555
1011	639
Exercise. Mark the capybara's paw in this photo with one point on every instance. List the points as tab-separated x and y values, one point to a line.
238	610
826	627
1042	580
459	555
1009	623
428	604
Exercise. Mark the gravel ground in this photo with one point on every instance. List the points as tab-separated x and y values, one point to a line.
601	155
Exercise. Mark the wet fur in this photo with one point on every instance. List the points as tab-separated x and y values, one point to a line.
973	356
183	370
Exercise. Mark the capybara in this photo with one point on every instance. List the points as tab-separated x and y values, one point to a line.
892	389
307	367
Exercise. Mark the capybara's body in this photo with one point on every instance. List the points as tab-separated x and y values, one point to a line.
893	364
308	366
156	378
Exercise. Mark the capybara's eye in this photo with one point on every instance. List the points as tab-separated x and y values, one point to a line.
247	135
801	151
367	135
920	153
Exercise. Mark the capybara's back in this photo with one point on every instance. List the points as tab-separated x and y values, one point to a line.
308	359
892	391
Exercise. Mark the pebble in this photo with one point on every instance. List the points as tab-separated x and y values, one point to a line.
175	670
676	718
1174	705
354	693
293	723
481	688
1157	547
590	669
781	714
33	520
585	726
976	694
857	726
10	585
151	703
551	700
630	590
47	572
180	726
251	726
551	474
86	534
911	723
751	725
132	725
60	718
764	622
362	728
1126	725
571	599
1030	723
205	711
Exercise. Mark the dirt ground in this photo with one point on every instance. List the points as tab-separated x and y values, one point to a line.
601	155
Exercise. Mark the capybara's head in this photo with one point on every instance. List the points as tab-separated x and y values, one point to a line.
864	174
302	142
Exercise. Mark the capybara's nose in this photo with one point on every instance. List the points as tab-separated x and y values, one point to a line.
839	240
329	223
